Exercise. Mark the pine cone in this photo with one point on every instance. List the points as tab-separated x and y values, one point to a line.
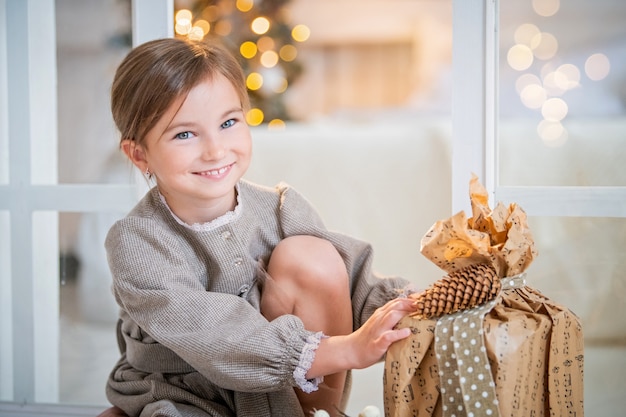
459	290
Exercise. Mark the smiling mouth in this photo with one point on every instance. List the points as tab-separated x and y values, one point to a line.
215	172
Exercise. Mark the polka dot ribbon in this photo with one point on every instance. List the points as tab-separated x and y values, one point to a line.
466	382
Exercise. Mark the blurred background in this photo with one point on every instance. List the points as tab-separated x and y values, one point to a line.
352	105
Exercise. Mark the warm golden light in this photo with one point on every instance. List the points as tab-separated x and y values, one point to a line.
223	28
269	59
204	25
244	5
265	43
183	15
554	109
248	49
276	124
254	81
211	13
544	45
597	67
196	33
183	22
260	25
546	8
183	28
254	117
300	33
520	57
288	53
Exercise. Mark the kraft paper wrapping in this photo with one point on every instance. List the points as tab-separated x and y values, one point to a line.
520	354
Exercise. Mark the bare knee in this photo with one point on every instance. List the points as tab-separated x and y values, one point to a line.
309	263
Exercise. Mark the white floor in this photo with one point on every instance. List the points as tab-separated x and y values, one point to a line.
88	352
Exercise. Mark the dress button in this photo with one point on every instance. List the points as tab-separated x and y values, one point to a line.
226	235
244	289
238	261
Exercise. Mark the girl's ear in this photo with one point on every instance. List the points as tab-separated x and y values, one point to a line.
135	153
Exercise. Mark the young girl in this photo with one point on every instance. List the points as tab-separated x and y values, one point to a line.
235	299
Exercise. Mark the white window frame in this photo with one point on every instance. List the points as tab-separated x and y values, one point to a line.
32	196
475	64
28	86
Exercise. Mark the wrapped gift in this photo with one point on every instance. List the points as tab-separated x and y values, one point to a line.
484	343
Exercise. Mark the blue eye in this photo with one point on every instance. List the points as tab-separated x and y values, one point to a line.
228	123
184	135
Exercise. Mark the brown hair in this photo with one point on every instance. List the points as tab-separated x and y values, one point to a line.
158	72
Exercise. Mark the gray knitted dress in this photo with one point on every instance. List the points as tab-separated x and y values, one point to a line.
192	339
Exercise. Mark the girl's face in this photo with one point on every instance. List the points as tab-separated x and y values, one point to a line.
198	151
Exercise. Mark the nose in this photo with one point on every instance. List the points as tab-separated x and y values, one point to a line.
213	148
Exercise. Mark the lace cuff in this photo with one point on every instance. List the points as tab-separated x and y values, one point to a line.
306	360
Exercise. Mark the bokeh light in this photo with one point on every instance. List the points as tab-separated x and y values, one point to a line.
269	59
223	28
300	33
265	43
260	25
211	13
525	33
276	124
554	109
196	33
525	80
244	5
546	8
254	81
183	22
571	76
544	46
597	67
248	49
288	53
520	57
254	117
533	96
553	134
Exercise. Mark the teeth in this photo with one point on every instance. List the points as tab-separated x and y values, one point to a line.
215	171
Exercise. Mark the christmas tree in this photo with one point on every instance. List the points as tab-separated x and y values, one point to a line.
259	33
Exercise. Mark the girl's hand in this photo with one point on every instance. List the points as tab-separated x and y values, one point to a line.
365	346
370	342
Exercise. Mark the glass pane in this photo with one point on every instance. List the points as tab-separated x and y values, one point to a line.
562	93
581	265
92	38
88	313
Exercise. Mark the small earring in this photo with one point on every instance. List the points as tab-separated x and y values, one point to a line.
148	174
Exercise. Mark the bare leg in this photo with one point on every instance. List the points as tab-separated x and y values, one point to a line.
308	278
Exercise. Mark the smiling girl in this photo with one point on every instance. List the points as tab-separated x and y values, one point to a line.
234	298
